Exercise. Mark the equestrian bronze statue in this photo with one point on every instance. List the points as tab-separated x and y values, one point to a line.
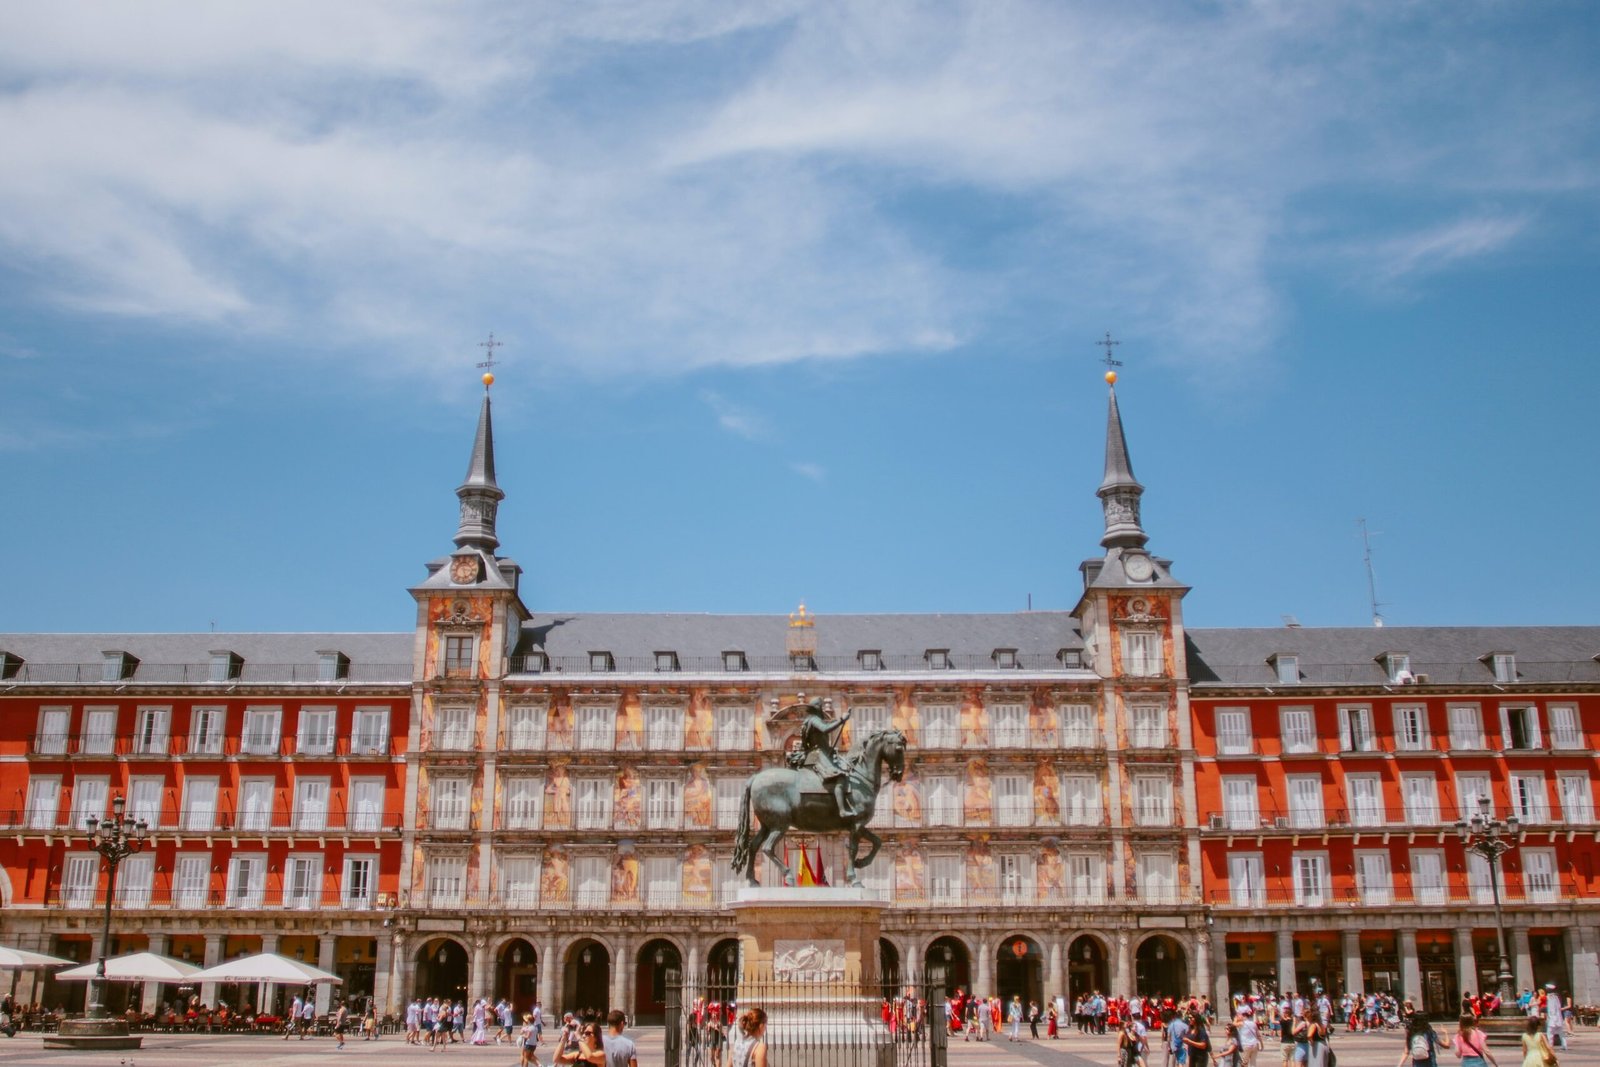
819	792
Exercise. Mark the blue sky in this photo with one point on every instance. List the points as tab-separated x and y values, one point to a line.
799	300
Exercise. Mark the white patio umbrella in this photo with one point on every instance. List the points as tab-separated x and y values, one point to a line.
17	959
134	967
266	967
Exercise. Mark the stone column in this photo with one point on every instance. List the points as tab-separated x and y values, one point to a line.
691	966
1200	981
478	969
1466	962
1580	945
325	961
381	969
1058	970
1354	979
1410	967
213	956
1122	965
547	994
1287	979
984	982
150	997
1521	957
621	972
264	990
1222	994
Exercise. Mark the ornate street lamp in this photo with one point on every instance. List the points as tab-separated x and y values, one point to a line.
116	839
1492	838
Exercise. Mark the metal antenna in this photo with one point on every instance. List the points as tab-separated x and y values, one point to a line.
1372	584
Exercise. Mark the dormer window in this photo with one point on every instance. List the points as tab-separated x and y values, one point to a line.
802	661
602	662
1071	658
225	666
117	666
871	659
1286	667
1504	665
10	665
332	665
536	662
733	660
938	659
666	661
1397	665
1005	658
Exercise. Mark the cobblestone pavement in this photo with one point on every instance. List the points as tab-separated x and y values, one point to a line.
1075	1050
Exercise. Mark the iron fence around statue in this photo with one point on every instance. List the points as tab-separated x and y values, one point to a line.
853	1021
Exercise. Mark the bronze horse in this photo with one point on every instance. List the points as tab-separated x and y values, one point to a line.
785	798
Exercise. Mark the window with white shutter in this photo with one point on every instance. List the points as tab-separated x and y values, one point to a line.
1471	791
597	727
591	880
519	881
1014	799
734	732
524	801
1141	653
99	731
866	720
200	804
1297	730
946	879
135	877
1157	873
447	881
1247	883
1305	801
311	804
366	805
44	802
1480	880
1080	796
1312	887
89	801
360	879
1539	875
1411	728
1240	810
592	803
150	732
1427	876
192	880
1528	798
453	728
663	803
943	806
1577	799
316	732
1008	724
255	804
1149	726
661	886
1078	726
52	739
1466	727
1519	729
247	881
206	727
370	732
1422	799
525	727
1374	882
1152	800
260	737
1366	799
1564	730
1355	729
730	794
144	799
939	726
1086	878
1233	732
663	728
78	877
450	800
302	882
1016	877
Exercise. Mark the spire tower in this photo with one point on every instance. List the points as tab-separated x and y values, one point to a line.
1119	490
480	496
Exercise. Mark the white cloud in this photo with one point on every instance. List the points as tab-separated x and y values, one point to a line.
734	419
653	187
812	471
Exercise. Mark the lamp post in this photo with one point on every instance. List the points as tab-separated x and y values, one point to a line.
1492	838
116	839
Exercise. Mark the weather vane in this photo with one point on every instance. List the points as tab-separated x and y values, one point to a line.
1107	344
488	365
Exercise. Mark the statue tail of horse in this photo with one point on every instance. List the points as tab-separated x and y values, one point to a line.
741	840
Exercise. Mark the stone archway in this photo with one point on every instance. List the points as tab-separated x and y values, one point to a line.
586	979
1161	967
442	968
1019	970
1086	968
516	973
950	955
656	959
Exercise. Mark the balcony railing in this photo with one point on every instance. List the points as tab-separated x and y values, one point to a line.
167	897
784	664
1372	674
169	819
169	674
361	746
1281	893
1027	894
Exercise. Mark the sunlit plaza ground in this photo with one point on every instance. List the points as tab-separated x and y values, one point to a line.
1073	1050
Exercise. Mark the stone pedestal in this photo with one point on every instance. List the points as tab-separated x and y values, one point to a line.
809	957
108	1035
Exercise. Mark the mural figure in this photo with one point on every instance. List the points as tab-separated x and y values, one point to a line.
908	799
1052	875
1042	725
558	798
630	726
625	878
697	798
697	874
905	720
558	727
700	730
555	883
909	874
978	796
982	876
1046	797
974	725
627	803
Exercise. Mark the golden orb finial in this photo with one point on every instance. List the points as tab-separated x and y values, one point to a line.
1111	377
488	380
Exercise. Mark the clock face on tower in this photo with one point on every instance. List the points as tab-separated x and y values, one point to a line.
1138	567
464	570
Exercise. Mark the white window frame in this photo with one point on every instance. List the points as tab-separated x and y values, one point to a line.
596	727
1080	800
1152	800
946	878
661	878
53	726
941	725
1374	877
591	881
247	880
942	800
1016	877
1013	799
359	894
865	720
1148	726
1429	876
1357	731
1466	727
1420	794
1577	798
1157	874
136	876
1287	669
663	727
144	799
191	880
1233	732
80	879
369	732
1530	796
1078	726
364	815
591	803
1141	654
729	794
152	731
1541	879
523	798
302	881
44	801
1297	730
1241	807
1365	795
1533	738
1008	725
1504	665
311	796
1086	877
207	727
198	817
1313	883
99	734
1301	789
314	730
447	881
255	802
261	731
1566	727
1469	786
519	880
733	724
1411	732
663	803
455	727
1247	880
526	726
450	802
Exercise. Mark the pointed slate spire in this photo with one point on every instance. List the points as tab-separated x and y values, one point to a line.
480	496
1119	490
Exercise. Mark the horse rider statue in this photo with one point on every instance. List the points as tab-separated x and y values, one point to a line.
817	731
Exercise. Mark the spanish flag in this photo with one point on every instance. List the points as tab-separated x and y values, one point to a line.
807	877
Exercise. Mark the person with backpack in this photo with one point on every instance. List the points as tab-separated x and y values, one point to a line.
1422	1045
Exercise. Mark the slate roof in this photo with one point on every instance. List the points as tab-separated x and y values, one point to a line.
185	658
1453	655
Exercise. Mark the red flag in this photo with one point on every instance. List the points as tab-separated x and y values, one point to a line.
818	873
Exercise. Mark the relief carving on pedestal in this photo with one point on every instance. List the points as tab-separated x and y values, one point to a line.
808	961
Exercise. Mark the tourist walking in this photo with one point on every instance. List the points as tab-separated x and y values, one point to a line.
341	1019
1536	1050
620	1049
528	1042
1422	1045
750	1047
1014	1018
